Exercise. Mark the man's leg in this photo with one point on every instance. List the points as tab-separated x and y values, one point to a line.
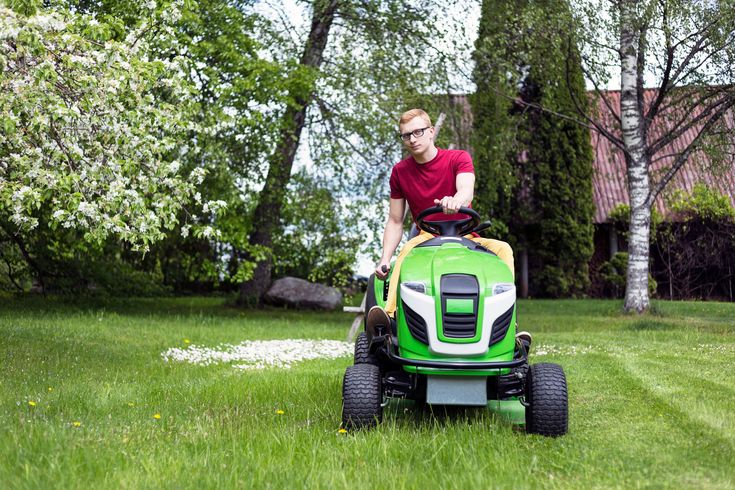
523	340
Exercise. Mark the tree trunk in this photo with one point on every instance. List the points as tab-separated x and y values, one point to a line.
637	159
267	213
15	238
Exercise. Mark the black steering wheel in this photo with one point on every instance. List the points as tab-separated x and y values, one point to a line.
457	227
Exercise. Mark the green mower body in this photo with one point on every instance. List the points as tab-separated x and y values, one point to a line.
454	322
452	341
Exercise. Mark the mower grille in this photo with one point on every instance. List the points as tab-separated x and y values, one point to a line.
462	287
500	326
416	325
460	326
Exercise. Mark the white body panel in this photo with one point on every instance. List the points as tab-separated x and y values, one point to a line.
424	305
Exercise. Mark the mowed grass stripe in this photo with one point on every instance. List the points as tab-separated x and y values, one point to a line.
646	439
688	391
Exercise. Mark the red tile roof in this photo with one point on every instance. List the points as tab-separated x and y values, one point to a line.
609	186
609	181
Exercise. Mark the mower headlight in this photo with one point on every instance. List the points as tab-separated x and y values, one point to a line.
416	286
502	287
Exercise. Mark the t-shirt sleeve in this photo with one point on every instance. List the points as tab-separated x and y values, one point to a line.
395	187
463	163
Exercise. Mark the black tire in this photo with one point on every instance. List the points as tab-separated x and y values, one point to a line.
362	351
547	412
362	395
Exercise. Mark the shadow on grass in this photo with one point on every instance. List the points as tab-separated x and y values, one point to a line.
424	416
650	325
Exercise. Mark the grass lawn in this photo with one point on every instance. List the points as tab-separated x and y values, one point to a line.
652	403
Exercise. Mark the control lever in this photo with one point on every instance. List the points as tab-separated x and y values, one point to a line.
385	283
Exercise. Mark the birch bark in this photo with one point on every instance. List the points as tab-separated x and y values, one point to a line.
637	159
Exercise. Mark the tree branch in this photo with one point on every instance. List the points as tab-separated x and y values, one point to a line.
684	156
684	125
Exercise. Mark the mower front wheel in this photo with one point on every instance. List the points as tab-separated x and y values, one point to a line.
362	395
547	412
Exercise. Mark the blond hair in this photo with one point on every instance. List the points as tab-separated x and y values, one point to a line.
410	114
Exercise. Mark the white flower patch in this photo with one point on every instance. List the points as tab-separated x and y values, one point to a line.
260	354
571	350
715	348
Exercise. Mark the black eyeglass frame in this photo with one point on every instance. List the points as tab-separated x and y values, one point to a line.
407	136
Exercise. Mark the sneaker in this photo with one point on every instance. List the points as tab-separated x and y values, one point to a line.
524	339
377	322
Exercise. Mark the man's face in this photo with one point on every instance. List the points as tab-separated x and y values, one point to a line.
417	145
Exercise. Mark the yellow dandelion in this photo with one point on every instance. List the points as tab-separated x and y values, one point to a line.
77	424
32	403
342	431
187	341
50	389
131	404
280	412
157	416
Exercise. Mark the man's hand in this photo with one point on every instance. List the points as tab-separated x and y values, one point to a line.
450	204
381	271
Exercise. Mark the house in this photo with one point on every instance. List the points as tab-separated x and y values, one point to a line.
609	182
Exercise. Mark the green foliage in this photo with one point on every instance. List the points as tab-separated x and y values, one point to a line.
620	218
613	275
494	138
695	251
317	242
101	156
221	137
702	203
534	164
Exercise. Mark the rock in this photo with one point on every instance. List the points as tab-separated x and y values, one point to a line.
298	293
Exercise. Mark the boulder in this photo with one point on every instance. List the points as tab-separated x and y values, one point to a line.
298	293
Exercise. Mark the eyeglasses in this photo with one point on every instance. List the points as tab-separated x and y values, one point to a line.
417	133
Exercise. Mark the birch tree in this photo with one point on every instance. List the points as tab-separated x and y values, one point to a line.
683	49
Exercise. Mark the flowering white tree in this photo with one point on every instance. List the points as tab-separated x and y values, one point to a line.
92	131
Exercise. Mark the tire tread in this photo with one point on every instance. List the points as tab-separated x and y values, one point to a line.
546	393
361	397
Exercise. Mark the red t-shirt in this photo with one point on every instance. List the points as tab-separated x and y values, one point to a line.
420	183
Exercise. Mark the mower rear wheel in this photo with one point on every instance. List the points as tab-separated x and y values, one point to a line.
362	351
362	395
547	412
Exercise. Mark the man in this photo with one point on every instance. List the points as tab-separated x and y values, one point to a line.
430	176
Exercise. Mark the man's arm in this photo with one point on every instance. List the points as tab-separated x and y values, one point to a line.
392	235
465	192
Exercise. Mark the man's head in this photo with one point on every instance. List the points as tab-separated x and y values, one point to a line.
416	131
